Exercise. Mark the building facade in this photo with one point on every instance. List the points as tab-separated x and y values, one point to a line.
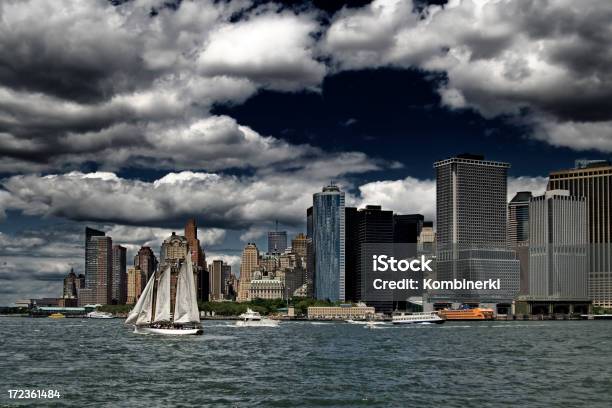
518	235
248	263
471	228
329	243
146	260
136	281
277	242
98	269
119	291
558	255
593	180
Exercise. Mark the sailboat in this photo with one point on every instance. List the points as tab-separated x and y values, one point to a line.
152	312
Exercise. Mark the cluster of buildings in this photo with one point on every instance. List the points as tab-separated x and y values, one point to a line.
109	280
551	252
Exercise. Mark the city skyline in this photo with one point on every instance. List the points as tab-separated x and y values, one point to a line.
134	139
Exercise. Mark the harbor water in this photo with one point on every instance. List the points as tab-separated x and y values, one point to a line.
310	364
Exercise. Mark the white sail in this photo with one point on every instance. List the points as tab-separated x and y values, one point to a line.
141	313
186	305
162	301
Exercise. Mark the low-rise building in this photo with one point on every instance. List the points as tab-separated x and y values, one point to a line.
342	312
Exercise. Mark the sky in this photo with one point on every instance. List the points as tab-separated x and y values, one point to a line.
132	116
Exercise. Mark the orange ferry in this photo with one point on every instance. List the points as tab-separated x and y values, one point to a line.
467	314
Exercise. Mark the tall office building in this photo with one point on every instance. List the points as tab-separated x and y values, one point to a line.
98	269
119	291
593	180
427	239
146	261
558	256
310	256
518	235
298	246
70	286
277	242
248	263
215	273
136	281
198	259
226	274
328	243
471	228
364	227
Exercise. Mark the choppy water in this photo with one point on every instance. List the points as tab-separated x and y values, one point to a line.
484	364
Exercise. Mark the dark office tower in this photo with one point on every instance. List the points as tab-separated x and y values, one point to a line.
310	255
471	227
98	269
146	261
374	226
70	286
119	291
277	242
593	180
328	243
351	219
518	235
90	272
198	258
406	229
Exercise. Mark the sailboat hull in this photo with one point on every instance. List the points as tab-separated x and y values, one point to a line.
168	332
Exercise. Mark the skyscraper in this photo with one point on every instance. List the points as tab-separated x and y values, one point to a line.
558	256
277	242
310	256
593	180
471	228
328	243
215	271
146	261
518	235
136	281
98	269
298	246
119	291
198	258
248	263
370	225
70	286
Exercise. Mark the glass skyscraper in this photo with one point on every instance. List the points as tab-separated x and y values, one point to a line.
328	239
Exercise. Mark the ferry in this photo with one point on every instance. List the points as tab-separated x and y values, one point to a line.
56	316
417	318
476	313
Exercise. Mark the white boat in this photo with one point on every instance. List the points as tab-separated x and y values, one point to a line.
253	319
416	318
149	317
99	315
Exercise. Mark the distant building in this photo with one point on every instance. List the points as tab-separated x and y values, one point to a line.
119	291
98	269
216	279
341	312
298	246
558	256
427	239
145	260
249	262
310	256
136	281
328	241
70	286
198	258
277	242
370	225
471	206
407	229
173	249
518	234
592	179
266	288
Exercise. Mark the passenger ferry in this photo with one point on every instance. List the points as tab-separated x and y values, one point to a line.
415	318
476	313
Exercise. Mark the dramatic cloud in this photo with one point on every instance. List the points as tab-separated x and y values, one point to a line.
537	59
